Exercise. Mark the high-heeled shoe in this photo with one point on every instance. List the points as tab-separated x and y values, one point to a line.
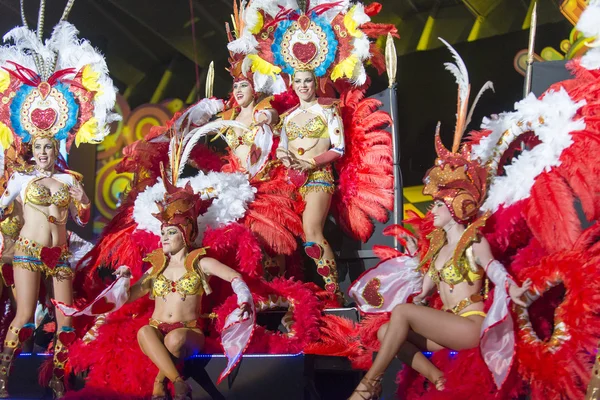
164	396
183	391
372	390
58	388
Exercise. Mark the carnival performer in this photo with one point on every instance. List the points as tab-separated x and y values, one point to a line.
312	139
315	44
51	92
177	280
251	151
457	263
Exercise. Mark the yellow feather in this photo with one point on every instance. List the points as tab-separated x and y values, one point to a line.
87	132
264	67
89	80
351	24
344	68
6	136
258	25
4	80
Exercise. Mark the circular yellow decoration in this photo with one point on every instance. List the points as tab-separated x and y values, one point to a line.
109	184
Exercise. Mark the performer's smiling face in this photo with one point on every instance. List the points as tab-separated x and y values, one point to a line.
441	214
243	93
44	153
305	85
171	239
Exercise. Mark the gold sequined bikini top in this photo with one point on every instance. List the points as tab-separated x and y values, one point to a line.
189	284
315	128
233	139
41	195
193	283
246	138
456	271
461	266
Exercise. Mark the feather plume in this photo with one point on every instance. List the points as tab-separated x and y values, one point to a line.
459	70
195	134
488	85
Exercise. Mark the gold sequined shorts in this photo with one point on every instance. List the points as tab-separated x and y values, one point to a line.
319	180
50	261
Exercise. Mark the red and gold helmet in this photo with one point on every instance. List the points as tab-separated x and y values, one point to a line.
181	208
457	181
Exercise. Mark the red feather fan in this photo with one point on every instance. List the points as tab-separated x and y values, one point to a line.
366	182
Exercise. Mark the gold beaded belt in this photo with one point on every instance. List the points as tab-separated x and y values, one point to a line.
464	303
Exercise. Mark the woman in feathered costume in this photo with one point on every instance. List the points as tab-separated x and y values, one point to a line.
51	92
274	215
316	43
177	280
457	262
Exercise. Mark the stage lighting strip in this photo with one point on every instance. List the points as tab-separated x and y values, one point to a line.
426	353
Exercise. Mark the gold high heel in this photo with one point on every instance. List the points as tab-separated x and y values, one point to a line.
372	388
58	387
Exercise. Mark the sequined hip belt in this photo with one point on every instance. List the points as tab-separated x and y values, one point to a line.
464	303
166	327
50	261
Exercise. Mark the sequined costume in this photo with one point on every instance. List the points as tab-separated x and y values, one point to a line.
57	90
461	184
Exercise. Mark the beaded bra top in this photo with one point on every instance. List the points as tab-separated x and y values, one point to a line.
190	284
41	195
314	128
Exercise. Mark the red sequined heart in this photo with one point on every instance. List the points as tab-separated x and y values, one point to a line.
314	251
67	337
304	52
255	153
102	306
50	256
25	333
298	178
330	287
62	356
7	274
371	294
324	271
43	119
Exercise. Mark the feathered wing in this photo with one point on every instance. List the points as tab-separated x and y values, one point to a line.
365	190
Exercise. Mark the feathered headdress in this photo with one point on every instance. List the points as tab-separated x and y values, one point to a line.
180	207
329	38
59	89
455	179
